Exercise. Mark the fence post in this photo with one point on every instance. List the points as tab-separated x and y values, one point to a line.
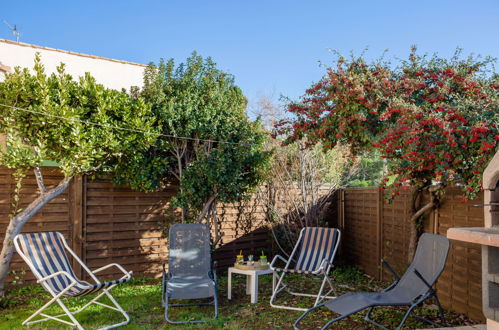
76	212
379	232
436	220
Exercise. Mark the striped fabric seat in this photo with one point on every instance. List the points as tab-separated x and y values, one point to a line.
314	253
317	244
47	255
296	271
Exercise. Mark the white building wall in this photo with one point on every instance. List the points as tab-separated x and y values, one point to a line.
111	73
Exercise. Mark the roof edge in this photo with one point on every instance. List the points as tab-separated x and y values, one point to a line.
23	44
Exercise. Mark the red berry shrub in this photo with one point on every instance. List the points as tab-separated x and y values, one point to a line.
435	120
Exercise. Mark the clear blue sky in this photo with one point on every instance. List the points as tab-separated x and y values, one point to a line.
270	46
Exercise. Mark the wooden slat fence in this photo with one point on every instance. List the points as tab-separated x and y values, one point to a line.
104	223
362	248
375	229
460	286
123	226
54	217
394	233
244	224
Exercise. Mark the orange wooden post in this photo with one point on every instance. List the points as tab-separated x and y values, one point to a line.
76	215
379	219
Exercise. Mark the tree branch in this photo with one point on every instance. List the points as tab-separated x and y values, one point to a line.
218	235
18	221
39	180
206	207
41	201
422	211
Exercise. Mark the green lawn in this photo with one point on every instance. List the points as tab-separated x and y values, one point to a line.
141	298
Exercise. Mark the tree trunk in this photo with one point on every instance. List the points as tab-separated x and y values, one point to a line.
216	226
179	153
418	212
206	207
180	177
17	223
210	207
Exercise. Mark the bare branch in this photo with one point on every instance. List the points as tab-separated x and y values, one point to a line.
218	235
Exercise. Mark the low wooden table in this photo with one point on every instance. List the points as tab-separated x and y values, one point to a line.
251	281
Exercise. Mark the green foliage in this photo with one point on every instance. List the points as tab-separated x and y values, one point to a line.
228	171
368	172
18	276
18	175
53	128
9	300
198	101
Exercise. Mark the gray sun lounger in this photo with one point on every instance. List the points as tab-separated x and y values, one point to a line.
411	290
190	272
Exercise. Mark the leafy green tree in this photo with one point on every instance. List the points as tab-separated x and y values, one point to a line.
45	117
219	155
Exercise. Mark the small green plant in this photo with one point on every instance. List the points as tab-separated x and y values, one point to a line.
8	300
349	275
18	276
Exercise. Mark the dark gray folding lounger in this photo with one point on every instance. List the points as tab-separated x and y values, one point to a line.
414	287
190	272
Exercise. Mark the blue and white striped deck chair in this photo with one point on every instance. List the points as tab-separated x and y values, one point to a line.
46	257
315	251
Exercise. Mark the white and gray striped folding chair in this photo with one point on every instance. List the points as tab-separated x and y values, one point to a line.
315	250
46	257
